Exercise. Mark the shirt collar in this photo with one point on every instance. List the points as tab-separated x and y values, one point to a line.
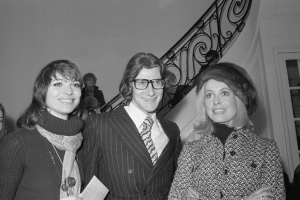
137	115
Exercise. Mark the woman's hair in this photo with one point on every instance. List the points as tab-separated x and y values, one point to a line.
32	114
204	124
3	131
135	65
88	75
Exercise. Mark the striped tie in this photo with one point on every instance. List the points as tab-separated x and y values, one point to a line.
146	136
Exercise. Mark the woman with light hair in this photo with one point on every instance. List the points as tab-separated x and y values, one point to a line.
229	161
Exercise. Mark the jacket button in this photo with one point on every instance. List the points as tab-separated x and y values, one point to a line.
253	165
232	153
130	171
221	194
226	171
235	136
145	192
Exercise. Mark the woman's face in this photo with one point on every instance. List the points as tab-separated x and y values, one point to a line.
220	101
1	120
63	96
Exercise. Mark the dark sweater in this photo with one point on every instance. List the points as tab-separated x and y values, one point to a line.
222	132
27	171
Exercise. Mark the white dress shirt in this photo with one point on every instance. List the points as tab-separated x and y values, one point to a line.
158	136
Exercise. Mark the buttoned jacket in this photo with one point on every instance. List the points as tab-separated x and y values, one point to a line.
114	151
243	165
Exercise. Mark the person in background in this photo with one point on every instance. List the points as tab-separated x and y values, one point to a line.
211	58
92	97
38	160
130	149
295	194
229	161
3	128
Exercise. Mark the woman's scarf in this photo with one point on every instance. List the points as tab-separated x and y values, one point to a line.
70	167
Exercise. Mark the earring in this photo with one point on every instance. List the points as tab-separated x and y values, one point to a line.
49	110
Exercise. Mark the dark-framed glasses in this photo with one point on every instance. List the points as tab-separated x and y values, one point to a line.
142	84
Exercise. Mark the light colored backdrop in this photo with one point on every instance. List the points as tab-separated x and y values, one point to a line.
100	36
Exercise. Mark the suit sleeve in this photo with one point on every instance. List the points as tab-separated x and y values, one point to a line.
178	147
90	152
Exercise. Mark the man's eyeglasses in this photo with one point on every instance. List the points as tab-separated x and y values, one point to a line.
142	84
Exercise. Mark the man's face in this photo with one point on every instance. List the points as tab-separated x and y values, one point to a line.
90	82
148	99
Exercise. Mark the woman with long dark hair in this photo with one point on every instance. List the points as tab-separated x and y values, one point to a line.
3	128
38	161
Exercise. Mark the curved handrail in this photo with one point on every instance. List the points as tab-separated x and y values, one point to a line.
216	29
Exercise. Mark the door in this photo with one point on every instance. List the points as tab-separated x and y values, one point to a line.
289	64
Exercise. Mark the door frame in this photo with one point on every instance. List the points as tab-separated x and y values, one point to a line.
290	133
276	40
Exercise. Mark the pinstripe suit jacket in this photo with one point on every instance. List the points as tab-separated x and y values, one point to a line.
114	151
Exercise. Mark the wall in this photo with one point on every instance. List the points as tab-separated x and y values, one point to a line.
99	36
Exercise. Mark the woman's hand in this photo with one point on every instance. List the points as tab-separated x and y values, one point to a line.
193	194
72	198
261	194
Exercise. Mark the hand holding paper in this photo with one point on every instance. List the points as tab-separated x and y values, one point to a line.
95	190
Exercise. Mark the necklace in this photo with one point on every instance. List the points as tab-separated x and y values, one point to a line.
59	176
57	154
69	182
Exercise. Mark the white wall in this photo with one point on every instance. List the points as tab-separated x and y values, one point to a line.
100	36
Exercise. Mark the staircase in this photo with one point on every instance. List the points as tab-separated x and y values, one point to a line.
217	29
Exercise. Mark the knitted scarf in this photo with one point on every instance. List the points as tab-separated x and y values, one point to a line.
69	143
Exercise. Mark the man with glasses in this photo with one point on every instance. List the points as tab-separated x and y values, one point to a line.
131	150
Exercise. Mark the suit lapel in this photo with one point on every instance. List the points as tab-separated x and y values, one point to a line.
128	134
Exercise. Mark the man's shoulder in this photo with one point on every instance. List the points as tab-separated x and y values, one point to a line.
97	89
170	126
120	111
166	121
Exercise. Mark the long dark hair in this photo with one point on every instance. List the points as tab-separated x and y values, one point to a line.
3	131
32	114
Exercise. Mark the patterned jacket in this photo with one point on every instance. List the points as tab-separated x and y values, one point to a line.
243	165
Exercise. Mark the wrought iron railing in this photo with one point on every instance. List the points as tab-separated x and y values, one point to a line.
216	30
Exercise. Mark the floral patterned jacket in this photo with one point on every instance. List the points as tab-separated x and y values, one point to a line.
232	171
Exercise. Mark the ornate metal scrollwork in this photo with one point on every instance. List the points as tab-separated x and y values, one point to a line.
216	30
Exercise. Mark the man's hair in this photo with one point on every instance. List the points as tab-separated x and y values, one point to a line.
135	65
87	76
